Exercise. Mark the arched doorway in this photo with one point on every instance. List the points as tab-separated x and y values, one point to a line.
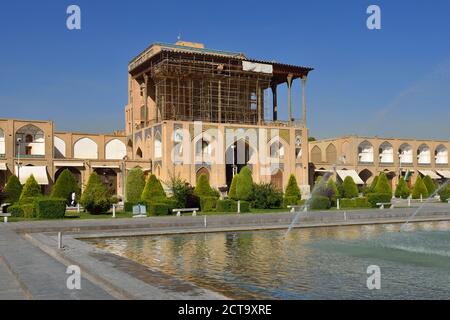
365	175
109	179
277	180
237	156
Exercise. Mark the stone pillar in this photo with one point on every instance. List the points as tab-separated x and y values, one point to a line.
145	98
274	102
219	102
289	85
304	78
259	106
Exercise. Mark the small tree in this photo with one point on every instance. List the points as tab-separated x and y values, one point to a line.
244	187
153	189
232	191
203	188
444	192
429	183
419	189
30	189
2	196
135	185
383	185
65	185
402	189
292	189
350	188
96	198
13	189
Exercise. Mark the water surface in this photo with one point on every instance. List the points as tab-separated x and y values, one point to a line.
314	263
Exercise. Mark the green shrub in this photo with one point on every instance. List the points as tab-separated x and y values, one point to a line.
244	187
354	203
383	185
290	201
65	185
320	203
362	202
153	189
13	189
244	206
50	208
430	185
373	185
232	192
226	205
203	188
95	198
292	189
157	209
172	203
135	185
265	196
444	193
181	191
128	206
402	190
419	189
350	188
16	211
208	203
332	192
30	189
375	198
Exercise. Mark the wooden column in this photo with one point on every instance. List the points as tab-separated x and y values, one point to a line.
289	85
274	102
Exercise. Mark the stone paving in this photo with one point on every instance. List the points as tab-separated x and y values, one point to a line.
40	276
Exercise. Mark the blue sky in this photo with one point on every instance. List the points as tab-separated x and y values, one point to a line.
389	82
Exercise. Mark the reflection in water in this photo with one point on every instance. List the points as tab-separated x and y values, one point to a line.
315	263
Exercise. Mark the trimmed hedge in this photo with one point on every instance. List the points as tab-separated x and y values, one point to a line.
354	203
50	208
320	203
375	198
419	189
171	204
135	185
157	209
292	189
226	205
65	185
30	189
22	211
244	187
208	203
290	201
245	206
350	188
153	189
128	206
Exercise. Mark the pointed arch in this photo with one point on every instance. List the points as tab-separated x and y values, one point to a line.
405	153
331	154
365	152
316	155
85	148
115	150
423	154
441	154
386	152
139	154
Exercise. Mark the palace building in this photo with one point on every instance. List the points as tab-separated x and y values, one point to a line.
363	158
190	110
193	110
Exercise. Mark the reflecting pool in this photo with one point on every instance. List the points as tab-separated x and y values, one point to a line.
314	263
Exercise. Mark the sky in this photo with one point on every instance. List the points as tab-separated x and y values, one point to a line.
392	82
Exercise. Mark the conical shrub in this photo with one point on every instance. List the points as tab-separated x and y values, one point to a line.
292	189
31	189
419	189
383	185
232	192
244	187
153	189
350	188
135	185
65	185
429	183
13	189
95	198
